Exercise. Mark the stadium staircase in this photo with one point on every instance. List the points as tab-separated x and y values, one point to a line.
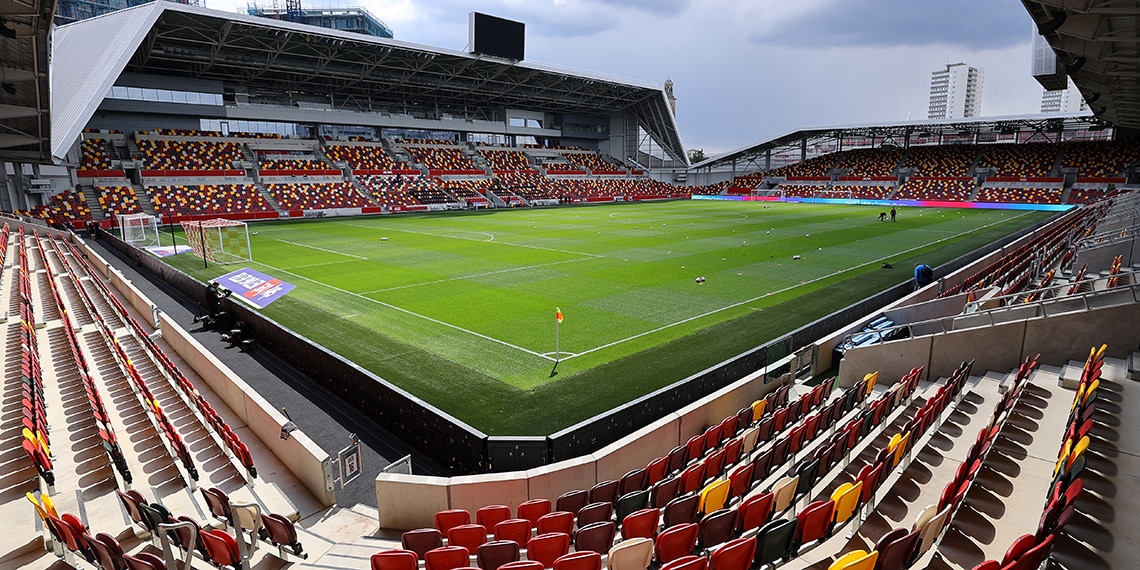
91	196
144	200
133	149
974	193
497	201
269	197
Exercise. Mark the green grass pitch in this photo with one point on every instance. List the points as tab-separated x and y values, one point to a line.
459	308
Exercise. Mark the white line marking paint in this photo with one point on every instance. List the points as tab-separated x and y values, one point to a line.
321	249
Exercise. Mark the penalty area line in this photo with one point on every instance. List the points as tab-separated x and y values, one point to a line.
322	249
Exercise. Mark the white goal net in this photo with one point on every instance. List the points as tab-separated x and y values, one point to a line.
219	240
139	230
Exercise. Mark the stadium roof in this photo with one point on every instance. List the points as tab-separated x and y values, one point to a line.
163	38
24	117
1097	43
902	131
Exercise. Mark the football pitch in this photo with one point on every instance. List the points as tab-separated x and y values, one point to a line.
459	309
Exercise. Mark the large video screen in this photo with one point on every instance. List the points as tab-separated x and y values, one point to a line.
496	37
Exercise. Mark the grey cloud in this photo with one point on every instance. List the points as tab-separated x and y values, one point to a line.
972	24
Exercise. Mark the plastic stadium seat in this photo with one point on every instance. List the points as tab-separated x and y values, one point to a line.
762	465
106	554
783	492
737	554
1018	548
422	540
598	537
520	565
740	480
714	496
676	541
754	512
491	515
582	560
856	560
714	463
447	558
870	476
689	562
774	541
641	523
632	554
814	522
558	521
144	561
846	499
450	518
696	445
572	501
656	470
222	547
732	451
664	491
533	510
631	502
678	456
394	560
693	477
546	548
929	532
604	492
896	550
716	528
988	565
595	512
470	536
517	530
219	504
634	480
1033	557
497	554
281	532
807	472
681	510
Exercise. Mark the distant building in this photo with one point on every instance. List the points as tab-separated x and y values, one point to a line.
347	19
956	92
67	11
1068	100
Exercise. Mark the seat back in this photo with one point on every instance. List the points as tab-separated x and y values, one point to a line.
447	558
692	477
631	554
517	530
856	560
595	512
664	491
597	537
713	496
717	527
558	521
103	554
656	470
846	499
631	502
754	512
814	522
218	502
676	541
582	560
634	480
497	554
681	510
394	560
604	492
572	501
491	515
678	456
897	553
281	531
740	479
774	540
422	540
221	546
783	492
546	548
929	532
641	523
470	536
144	561
737	554
533	510
447	519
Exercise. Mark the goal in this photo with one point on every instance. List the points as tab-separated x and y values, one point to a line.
139	230
219	240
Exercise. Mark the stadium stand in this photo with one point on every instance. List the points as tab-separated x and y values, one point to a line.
1100	159
370	158
506	160
816	167
317	196
288	163
870	162
64	208
391	191
940	161
1020	195
1024	160
116	200
801	190
94	155
189	154
943	189
440	158
862	191
192	200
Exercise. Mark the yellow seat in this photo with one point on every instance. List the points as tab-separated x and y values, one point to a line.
871	379
894	443
900	449
846	499
1078	450
758	408
856	560
714	495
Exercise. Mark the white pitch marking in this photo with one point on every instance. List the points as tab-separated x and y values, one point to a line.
479	240
321	249
322	264
474	275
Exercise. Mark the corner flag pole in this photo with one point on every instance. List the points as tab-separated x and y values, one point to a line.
557	337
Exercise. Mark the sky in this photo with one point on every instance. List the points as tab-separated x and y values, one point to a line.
745	71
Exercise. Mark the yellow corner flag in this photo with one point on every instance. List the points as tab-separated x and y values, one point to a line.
558	315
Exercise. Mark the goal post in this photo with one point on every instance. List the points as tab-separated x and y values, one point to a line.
138	230
219	240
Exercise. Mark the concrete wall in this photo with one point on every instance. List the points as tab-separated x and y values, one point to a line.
891	359
405	502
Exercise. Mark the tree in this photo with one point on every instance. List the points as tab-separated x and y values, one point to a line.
696	155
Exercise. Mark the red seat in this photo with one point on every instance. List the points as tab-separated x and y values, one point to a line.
595	512
740	479
450	518
521	565
689	562
491	515
517	530
498	554
558	521
222	547
754	511
716	528
735	555
585	560
641	523
533	510
572	501
469	536
676	541
281	532
604	492
814	522
546	548
714	463
634	480
693	477
144	561
598	537
447	558
682	510
422	540
656	470
394	560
